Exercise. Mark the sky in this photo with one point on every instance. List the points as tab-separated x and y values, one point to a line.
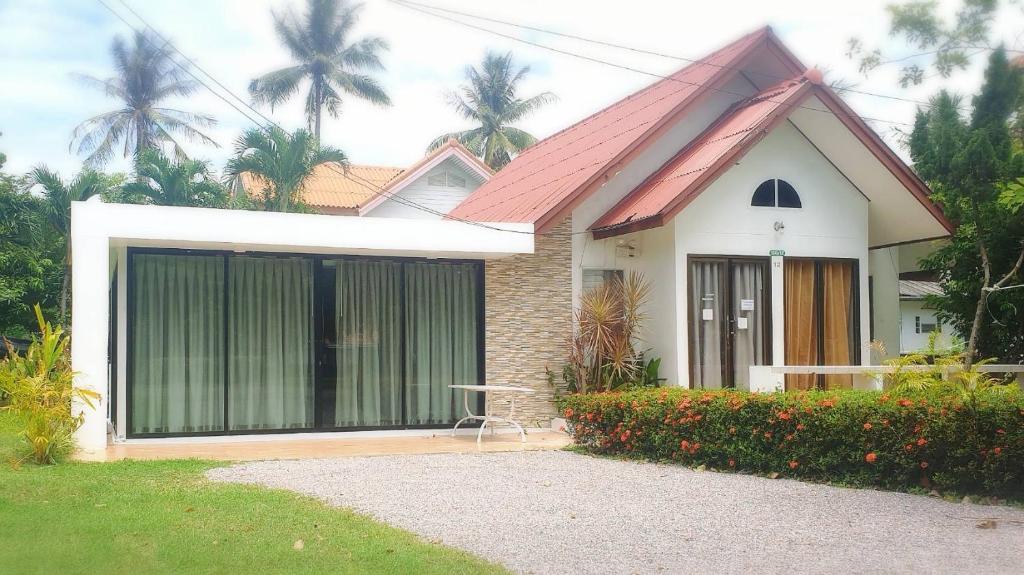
46	44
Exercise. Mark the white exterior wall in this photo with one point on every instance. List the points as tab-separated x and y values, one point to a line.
655	248
910	340
884	268
440	198
101	234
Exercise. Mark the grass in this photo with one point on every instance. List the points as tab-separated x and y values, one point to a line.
165	517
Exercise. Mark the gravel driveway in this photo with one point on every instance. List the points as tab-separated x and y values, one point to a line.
560	512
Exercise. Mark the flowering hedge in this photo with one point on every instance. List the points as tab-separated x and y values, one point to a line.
973	446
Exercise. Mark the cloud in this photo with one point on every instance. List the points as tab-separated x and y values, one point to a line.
43	42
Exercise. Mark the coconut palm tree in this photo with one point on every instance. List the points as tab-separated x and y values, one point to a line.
183	182
279	163
58	196
320	42
490	100
146	76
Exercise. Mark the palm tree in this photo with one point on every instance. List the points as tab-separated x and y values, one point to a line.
280	163
490	100
58	196
183	182
146	76
320	44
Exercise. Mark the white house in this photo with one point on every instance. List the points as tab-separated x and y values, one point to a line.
758	205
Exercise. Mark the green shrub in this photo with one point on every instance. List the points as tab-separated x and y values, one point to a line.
923	440
39	390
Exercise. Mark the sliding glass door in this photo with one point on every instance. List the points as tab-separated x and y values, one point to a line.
227	343
821	320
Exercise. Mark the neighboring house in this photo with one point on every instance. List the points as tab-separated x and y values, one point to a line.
918	321
439	181
755	202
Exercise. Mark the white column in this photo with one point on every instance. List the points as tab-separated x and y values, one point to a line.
778	312
89	304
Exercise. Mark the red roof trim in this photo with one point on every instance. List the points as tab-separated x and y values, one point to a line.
884	153
765	37
606	226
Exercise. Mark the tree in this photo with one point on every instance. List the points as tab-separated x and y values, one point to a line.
948	45
967	163
279	163
490	100
30	260
146	76
57	198
183	182
326	56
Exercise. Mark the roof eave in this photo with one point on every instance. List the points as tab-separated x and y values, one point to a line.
554	216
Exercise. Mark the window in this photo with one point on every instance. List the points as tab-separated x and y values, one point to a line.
223	343
594	278
926	326
446	179
775	194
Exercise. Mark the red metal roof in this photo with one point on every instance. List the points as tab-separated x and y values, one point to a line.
683	177
542	184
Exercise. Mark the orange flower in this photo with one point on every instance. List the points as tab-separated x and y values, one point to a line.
997	450
793	464
684	444
867	426
870	457
908	447
732	463
827	403
568	412
922	441
924	465
768	434
1001	431
905	403
885	422
800	427
783	415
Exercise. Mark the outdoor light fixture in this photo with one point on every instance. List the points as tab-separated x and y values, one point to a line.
779	226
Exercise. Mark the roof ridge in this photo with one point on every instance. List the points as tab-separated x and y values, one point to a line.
763	30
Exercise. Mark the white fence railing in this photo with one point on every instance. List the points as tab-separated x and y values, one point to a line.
768	378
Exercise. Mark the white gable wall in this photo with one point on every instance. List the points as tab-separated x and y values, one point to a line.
439	198
833	223
656	248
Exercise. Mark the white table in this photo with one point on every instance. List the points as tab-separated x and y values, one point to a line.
488	417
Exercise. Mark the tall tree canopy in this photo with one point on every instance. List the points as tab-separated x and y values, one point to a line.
328	57
30	258
967	162
183	182
57	197
146	76
490	100
941	44
279	163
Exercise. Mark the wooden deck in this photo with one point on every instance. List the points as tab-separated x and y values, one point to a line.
238	448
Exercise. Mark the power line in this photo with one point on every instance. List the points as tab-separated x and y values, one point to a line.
650	52
670	78
369	185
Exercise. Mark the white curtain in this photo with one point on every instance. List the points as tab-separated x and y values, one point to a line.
270	334
707	297
177	333
368	343
749	329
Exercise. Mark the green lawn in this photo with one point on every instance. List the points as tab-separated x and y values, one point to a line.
165	517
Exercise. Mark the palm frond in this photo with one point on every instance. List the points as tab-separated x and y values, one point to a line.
275	87
362	86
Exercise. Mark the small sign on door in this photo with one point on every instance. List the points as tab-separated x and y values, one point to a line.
708	314
741	323
746	305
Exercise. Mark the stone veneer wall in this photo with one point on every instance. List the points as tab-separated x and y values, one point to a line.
528	315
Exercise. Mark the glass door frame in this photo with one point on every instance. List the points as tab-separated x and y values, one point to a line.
317	350
727	340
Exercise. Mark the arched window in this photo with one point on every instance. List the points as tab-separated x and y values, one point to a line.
775	194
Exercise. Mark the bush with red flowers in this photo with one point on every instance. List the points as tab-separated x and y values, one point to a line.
923	440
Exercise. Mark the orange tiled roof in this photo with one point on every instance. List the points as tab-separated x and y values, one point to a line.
331	187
